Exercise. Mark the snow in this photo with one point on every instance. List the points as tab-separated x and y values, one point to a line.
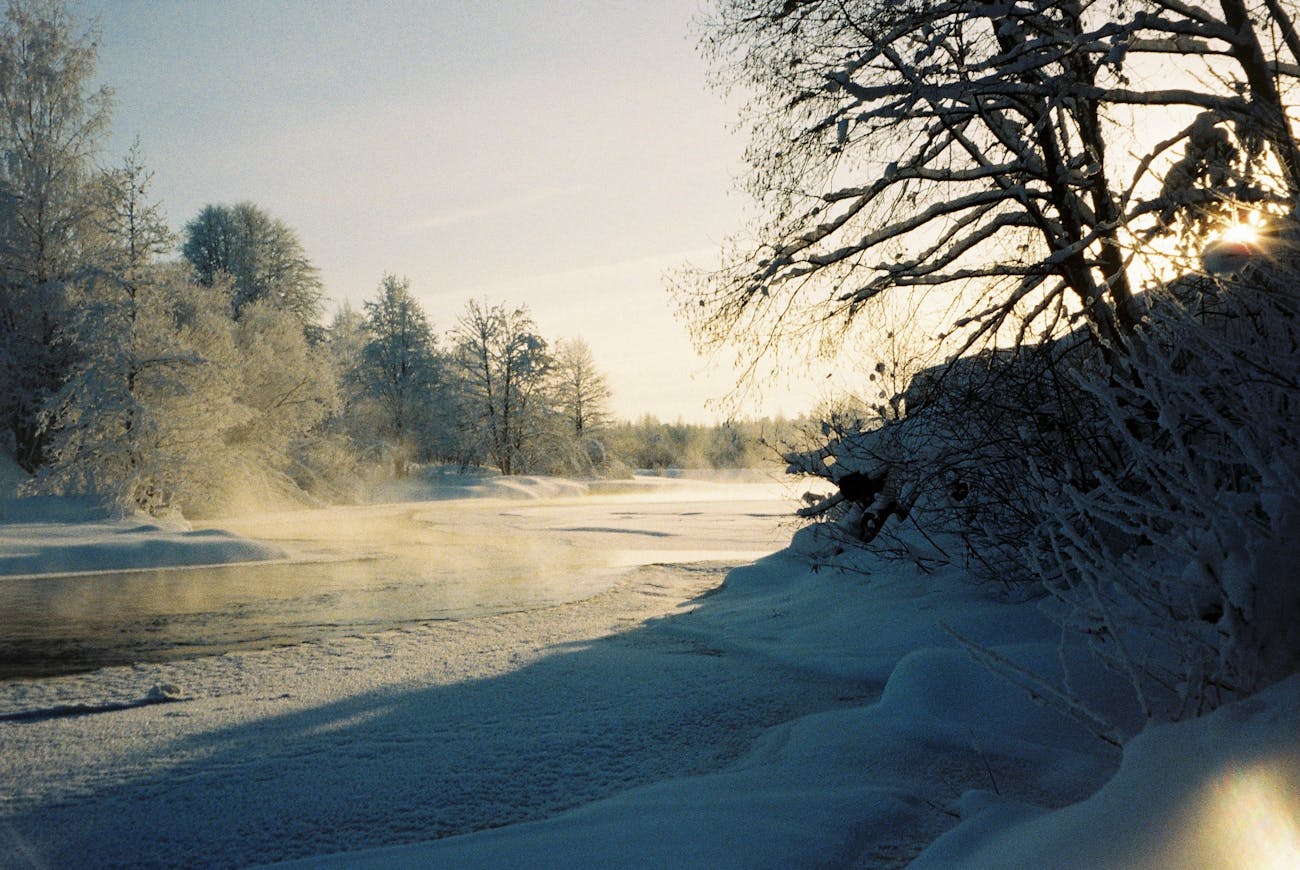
61	535
46	547
769	715
1222	791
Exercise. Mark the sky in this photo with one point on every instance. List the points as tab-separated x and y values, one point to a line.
563	155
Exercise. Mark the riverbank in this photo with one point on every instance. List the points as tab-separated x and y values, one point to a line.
437	730
693	714
80	590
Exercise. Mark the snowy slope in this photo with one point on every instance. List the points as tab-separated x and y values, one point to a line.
868	785
118	545
1218	792
56	535
791	717
948	749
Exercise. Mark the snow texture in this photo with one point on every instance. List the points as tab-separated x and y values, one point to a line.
780	717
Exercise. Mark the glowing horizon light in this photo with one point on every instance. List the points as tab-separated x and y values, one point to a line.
1240	242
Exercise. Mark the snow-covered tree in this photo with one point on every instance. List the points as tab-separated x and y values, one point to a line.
345	341
181	408
134	228
51	123
99	421
572	440
579	389
284	381
500	363
399	370
1019	156
144	418
1180	563
1109	426
260	253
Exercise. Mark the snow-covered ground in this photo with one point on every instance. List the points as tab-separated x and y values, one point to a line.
684	715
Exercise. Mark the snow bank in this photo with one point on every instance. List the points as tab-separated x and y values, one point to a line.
440	483
1220	793
868	785
947	743
790	717
86	540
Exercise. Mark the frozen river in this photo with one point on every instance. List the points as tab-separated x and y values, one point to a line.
353	570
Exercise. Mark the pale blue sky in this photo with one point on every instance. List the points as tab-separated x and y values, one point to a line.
560	154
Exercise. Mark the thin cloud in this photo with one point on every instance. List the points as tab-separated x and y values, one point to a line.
509	205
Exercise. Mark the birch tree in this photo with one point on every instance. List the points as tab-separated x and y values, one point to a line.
580	391
501	364
576	413
99	422
51	124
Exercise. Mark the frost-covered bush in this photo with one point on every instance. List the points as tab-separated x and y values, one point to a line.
175	406
953	454
1155	502
1182	563
142	420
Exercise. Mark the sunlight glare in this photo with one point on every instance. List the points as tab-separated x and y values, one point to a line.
1239	244
1242	232
1251	819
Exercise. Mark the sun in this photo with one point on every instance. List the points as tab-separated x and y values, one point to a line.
1237	245
1241	232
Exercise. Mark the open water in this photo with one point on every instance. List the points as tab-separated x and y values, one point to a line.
362	569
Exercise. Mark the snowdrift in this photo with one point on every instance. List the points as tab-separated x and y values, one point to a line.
877	738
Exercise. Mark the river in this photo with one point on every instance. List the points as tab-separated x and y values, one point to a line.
357	569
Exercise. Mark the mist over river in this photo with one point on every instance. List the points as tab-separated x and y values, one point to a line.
358	569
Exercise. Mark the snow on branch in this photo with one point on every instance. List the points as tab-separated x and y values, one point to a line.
973	147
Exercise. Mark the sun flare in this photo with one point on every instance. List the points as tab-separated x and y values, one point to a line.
1242	232
1250	818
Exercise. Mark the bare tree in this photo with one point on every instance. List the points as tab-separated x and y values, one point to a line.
501	364
580	391
576	414
1012	153
1131	453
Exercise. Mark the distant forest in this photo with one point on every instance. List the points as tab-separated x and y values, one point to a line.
203	381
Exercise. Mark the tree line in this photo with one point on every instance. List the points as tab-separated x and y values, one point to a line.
492	391
198	381
162	382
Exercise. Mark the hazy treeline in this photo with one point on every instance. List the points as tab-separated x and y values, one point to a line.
490	391
202	380
648	443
